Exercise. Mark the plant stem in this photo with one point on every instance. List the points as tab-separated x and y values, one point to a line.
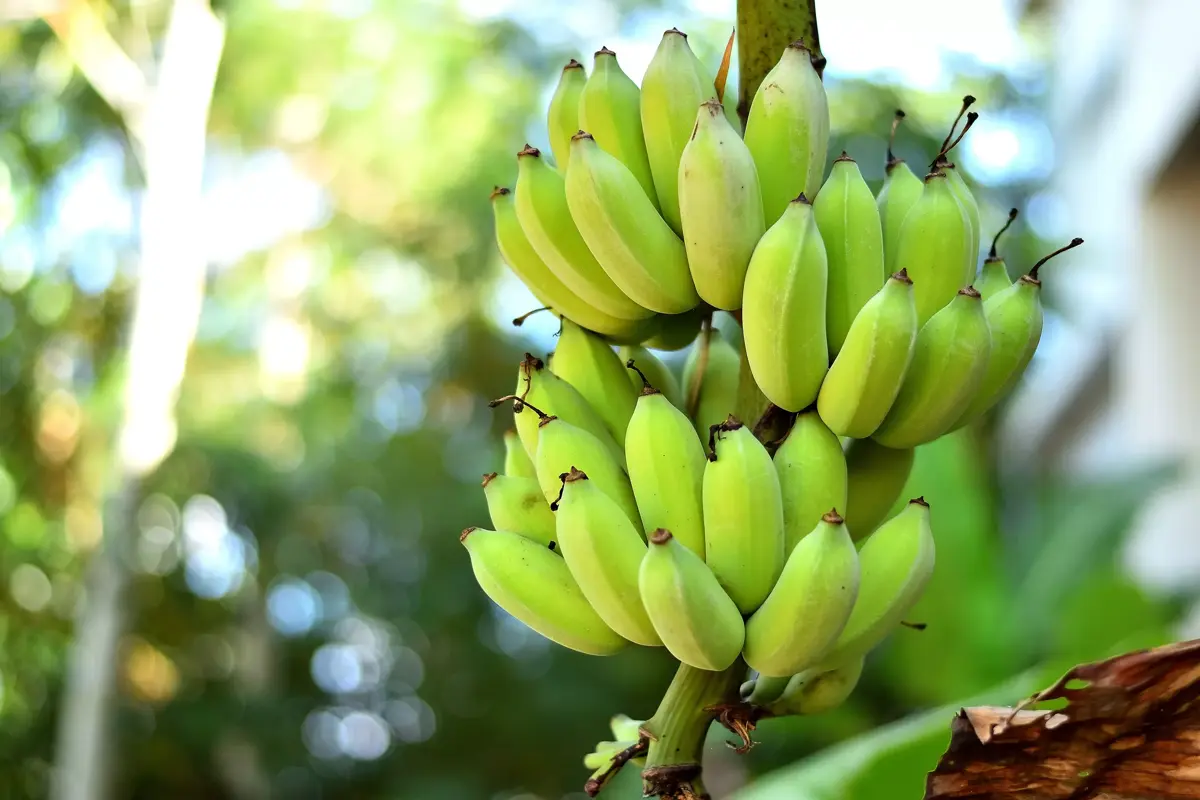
765	28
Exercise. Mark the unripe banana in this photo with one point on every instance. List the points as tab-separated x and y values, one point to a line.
610	108
761	690
848	220
674	86
520	256
563	116
932	246
949	361
718	382
637	249
517	462
971	208
588	363
816	691
901	191
875	476
658	373
787	131
691	613
812	476
676	331
895	565
533	584
809	604
546	220
867	374
550	393
721	207
518	505
666	468
783	317
993	276
604	553
743	515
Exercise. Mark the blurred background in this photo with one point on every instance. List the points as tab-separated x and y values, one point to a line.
251	312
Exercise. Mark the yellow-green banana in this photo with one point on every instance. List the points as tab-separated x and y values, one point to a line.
875	476
658	373
604	553
718	384
563	116
666	467
993	276
788	131
817	690
971	208
900	191
674	86
932	246
588	363
783	309
533	584
743	515
610	109
518	505
517	462
721	207
812	476
809	604
867	374
633	244
550	393
848	220
546	220
895	565
691	613
676	331
949	361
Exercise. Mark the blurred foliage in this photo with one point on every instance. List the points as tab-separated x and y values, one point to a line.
304	623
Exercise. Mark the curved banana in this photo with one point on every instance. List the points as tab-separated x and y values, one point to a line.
658	373
666	467
720	206
588	363
875	476
848	220
610	108
718	383
517	462
867	374
633	244
816	691
949	361
676	331
932	246
674	86
546	391
693	616
971	208
743	515
546	220
563	115
604	553
783	316
812	476
895	565
761	690
518	505
809	604
993	276
787	131
533	584
901	191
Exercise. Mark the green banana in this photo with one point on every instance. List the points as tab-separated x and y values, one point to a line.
867	374
517	462
812	476
959	186
676	331
674	86
633	244
932	246
816	691
993	276
520	256
717	383
875	476
658	373
720	207
1014	317
563	116
949	361
848	220
895	564
691	613
743	515
545	390
588	363
761	690
666	467
788	131
546	220
610	108
900	192
604	553
783	316
809	604
534	585
518	505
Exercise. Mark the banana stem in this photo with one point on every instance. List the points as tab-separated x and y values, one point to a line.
764	29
